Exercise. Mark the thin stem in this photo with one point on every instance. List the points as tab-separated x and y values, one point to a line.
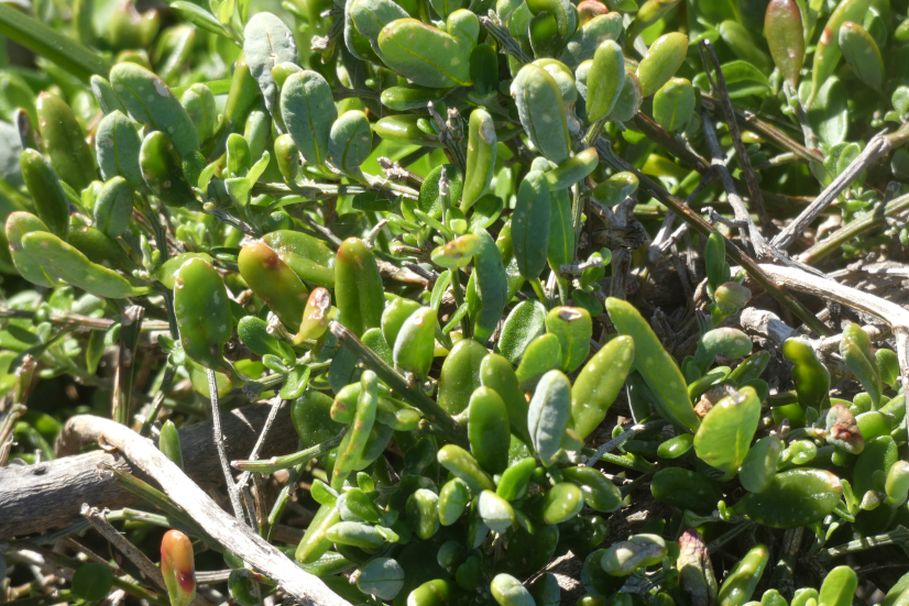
754	191
99	522
155	407
121	394
397	382
232	491
500	33
747	229
78	321
628	432
880	145
855	228
281	501
458	292
898	536
274	464
697	222
770	131
260	441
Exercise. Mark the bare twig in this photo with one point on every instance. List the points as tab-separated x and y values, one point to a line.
855	228
754	191
697	222
879	146
232	489
227	530
749	232
276	405
896	316
135	555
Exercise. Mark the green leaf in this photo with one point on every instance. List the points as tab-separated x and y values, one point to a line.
797	497
50	44
150	101
724	437
524	323
424	54
548	415
381	577
308	110
267	41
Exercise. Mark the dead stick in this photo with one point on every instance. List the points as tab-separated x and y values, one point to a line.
228	531
218	434
896	316
878	147
44	496
135	555
754	192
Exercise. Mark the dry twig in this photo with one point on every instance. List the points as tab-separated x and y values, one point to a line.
896	316
228	531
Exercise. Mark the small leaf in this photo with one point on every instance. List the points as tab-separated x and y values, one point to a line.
424	54
267	41
661	61
548	415
382	578
724	436
150	101
308	110
785	37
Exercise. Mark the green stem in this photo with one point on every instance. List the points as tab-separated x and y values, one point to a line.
853	229
398	383
458	293
897	536
274	464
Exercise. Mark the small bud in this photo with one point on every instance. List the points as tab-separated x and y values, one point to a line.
178	568
731	297
316	316
843	431
871	500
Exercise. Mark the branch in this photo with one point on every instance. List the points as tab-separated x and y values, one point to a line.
879	146
40	497
856	227
397	382
896	316
604	147
232	534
